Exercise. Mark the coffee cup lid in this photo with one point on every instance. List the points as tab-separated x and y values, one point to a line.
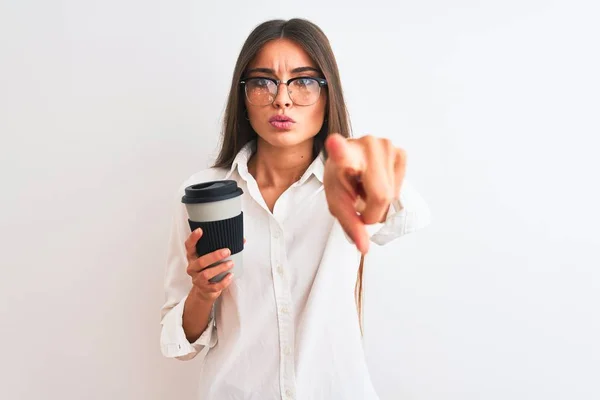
207	192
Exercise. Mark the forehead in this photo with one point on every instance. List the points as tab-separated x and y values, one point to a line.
281	55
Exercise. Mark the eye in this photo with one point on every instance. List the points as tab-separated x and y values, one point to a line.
303	82
261	82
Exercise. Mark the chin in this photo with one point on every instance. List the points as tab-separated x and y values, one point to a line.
285	138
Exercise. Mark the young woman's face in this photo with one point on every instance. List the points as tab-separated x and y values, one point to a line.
283	59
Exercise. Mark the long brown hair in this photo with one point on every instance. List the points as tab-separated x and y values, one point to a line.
237	131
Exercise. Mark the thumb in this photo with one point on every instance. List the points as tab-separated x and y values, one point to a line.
343	152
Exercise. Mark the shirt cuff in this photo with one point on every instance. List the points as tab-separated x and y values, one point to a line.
373	229
400	221
173	341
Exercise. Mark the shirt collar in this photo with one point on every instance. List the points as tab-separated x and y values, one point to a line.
240	162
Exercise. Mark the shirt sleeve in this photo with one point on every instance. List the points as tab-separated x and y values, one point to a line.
177	287
408	214
174	344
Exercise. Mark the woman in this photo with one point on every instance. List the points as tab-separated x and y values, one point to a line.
288	328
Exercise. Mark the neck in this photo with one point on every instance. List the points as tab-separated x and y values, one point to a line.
279	167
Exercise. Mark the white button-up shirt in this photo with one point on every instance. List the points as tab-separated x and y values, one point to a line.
287	328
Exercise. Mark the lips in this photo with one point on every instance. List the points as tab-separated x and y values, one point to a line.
280	118
282	122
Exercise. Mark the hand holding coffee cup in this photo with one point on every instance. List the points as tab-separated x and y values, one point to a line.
201	274
216	208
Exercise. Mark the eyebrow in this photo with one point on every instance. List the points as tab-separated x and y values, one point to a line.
294	71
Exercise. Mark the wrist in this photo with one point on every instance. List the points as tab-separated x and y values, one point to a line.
197	296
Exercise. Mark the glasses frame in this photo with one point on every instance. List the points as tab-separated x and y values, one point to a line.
321	81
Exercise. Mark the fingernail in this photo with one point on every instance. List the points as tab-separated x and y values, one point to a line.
198	230
225	252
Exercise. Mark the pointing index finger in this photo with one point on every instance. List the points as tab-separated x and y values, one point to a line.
345	213
345	153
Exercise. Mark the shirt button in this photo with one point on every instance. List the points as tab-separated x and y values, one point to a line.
289	394
284	310
276	234
287	350
280	269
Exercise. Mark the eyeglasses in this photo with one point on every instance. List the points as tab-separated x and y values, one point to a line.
303	90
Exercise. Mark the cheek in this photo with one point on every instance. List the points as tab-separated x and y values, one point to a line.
317	113
255	113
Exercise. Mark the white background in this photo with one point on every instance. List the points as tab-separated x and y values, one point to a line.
107	106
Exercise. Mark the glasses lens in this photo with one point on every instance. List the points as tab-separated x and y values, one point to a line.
304	91
260	91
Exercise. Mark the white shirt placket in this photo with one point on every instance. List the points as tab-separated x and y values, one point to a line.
285	319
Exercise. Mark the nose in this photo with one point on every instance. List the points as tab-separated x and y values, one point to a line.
282	100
